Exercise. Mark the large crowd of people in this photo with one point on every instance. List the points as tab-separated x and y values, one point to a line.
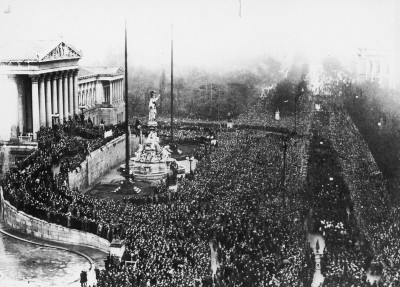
243	219
376	218
234	202
347	255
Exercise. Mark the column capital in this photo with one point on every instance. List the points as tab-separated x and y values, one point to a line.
42	76
12	76
34	78
57	75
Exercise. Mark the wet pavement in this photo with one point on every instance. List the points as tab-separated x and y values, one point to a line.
318	278
30	261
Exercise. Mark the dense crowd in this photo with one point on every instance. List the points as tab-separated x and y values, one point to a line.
377	219
258	116
233	203
243	219
347	256
34	187
169	237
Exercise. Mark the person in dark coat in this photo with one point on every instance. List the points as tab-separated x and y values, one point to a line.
83	278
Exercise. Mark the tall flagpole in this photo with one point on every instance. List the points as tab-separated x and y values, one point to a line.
127	131
172	82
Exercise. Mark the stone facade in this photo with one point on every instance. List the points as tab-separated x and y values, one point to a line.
39	228
39	82
40	86
376	65
101	94
100	161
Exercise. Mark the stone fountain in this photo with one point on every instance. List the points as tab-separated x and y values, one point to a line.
151	161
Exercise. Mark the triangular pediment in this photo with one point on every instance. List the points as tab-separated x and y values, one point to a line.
60	52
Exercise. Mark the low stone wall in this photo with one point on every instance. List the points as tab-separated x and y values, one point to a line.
100	161
39	228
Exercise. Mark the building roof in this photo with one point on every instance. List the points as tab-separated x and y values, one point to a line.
99	71
37	51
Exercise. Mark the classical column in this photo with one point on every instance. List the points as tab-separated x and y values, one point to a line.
122	90
94	93
114	91
84	95
65	85
48	101
35	105
90	94
88	103
9	108
81	103
111	92
21	111
54	95
42	103
71	93
99	93
119	91
76	103
60	98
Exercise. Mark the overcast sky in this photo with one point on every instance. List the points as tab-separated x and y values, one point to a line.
207	33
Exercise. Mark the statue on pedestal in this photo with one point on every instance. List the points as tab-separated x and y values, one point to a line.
277	116
153	106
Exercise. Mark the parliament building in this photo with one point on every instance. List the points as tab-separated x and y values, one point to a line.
42	84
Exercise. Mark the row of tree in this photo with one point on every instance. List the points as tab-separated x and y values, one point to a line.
215	96
197	95
376	112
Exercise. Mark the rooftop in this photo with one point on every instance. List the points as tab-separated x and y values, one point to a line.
36	50
99	71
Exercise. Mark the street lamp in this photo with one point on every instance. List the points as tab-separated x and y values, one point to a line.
295	109
190	164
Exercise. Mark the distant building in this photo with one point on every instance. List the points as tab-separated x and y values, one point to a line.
375	65
41	84
100	94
